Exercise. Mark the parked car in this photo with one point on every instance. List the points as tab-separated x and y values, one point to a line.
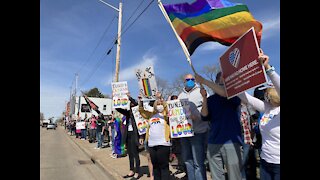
51	126
45	123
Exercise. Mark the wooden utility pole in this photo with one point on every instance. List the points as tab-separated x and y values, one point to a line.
118	37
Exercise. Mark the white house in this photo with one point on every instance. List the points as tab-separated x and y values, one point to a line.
104	104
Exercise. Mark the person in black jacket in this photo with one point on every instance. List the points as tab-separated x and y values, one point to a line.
131	137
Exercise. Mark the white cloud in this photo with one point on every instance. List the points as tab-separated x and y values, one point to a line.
270	27
128	73
209	46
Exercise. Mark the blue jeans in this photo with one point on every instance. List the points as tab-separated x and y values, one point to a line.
84	133
99	139
245	157
269	171
193	154
112	139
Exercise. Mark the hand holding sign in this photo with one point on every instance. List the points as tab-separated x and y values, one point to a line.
158	95
264	59
203	92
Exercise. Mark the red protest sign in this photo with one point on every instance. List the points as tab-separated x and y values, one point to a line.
240	67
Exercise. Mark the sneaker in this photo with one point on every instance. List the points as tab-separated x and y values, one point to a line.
96	148
114	156
178	172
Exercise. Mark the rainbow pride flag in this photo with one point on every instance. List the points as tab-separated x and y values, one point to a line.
211	20
119	141
146	87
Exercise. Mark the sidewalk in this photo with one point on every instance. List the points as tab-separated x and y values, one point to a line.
117	167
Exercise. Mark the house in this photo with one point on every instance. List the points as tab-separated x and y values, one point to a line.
104	104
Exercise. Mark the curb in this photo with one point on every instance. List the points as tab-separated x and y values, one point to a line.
112	175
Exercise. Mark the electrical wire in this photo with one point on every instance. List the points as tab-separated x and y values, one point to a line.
122	33
100	40
108	52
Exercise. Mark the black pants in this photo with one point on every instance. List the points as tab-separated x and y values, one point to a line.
133	152
176	149
92	135
160	161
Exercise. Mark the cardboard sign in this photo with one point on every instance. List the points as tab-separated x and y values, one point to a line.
179	118
119	95
147	82
140	121
81	125
240	66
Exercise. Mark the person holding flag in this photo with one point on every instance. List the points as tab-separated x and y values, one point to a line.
269	123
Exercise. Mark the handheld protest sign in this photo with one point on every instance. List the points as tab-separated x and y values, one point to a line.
81	125
119	95
147	83
240	67
140	121
179	118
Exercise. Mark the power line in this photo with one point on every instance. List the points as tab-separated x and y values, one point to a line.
137	17
94	70
100	40
133	13
122	33
115	42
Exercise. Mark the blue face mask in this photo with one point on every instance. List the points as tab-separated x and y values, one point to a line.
189	84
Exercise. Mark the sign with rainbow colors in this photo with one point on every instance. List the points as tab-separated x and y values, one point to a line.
140	121
179	118
119	95
147	83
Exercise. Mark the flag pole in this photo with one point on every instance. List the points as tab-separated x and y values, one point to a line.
184	48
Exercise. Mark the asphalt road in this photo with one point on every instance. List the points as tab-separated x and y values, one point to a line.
61	159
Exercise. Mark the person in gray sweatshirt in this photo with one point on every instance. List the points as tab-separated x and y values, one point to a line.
193	148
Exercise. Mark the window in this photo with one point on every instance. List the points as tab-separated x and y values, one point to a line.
104	107
85	108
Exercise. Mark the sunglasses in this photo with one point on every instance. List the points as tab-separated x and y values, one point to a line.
189	79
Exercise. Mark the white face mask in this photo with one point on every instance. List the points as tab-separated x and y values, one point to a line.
160	108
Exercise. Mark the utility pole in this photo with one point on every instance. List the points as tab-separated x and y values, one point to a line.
119	37
76	95
75	91
70	102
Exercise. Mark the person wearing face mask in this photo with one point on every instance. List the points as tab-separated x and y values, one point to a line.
193	148
269	123
158	138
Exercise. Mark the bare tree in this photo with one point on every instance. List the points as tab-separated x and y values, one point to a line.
164	87
210	72
178	84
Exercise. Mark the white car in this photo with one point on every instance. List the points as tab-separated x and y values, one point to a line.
51	126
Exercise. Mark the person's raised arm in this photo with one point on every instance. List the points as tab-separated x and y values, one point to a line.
212	85
274	77
256	103
204	109
133	101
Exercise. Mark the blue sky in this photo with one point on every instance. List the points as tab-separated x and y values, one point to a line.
70	32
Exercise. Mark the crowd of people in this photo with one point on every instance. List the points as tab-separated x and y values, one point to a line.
232	136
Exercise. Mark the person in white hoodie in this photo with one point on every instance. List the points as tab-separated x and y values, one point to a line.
269	123
193	148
